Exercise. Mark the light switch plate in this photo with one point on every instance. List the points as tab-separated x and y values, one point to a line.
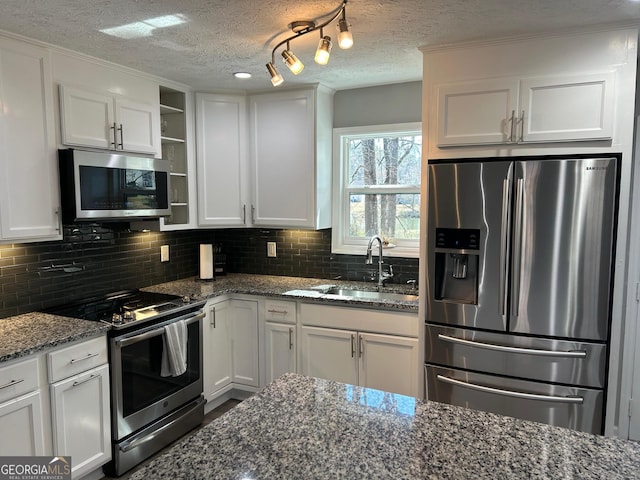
271	249
164	253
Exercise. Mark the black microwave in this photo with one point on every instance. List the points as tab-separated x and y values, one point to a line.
102	186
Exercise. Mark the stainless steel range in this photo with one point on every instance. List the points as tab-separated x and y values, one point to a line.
150	406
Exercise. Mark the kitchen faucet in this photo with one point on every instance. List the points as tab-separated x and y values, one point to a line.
382	276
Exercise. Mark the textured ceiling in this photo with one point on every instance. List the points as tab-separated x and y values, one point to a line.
219	37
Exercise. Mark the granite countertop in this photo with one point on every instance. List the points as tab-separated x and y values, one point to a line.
292	288
30	333
302	427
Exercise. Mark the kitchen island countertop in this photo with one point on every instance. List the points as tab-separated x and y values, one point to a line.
302	427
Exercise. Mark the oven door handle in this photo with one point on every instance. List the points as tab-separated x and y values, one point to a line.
125	447
123	342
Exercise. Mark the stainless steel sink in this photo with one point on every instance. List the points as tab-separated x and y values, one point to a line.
346	292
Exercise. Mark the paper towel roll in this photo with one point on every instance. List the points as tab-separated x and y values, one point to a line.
206	261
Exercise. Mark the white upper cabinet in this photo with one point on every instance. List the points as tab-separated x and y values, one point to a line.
29	192
539	109
291	158
529	96
107	121
222	143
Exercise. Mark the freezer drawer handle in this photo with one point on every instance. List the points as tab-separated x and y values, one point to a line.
503	348
510	393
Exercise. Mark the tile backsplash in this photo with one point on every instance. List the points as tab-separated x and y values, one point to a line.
92	260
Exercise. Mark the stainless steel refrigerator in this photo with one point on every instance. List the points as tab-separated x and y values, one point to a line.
519	286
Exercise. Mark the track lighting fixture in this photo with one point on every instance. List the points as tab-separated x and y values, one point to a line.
302	27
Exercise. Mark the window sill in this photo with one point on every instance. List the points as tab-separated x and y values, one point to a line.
404	252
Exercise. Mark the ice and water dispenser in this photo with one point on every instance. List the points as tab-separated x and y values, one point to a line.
457	254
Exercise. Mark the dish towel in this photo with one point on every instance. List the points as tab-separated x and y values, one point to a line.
174	351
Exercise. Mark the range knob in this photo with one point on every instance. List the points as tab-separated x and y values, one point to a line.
117	319
129	316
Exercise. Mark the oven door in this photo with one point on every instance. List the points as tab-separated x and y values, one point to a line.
140	394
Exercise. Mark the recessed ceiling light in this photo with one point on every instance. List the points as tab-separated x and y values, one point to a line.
242	75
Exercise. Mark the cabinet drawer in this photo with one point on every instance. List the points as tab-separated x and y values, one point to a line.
279	311
18	378
77	358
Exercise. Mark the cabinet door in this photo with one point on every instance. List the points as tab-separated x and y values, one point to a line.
21	420
567	108
283	158
221	135
389	363
29	198
87	118
217	348
328	353
474	113
81	419
280	350
245	342
136	126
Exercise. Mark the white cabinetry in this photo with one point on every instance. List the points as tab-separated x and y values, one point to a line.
29	198
222	144
361	347
291	158
21	410
537	109
80	409
280	338
230	346
107	121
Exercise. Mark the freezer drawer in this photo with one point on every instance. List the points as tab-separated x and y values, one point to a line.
569	407
556	361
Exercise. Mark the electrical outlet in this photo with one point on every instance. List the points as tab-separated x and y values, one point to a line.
271	249
164	253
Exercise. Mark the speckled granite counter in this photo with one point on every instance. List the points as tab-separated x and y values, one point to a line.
301	427
277	286
31	333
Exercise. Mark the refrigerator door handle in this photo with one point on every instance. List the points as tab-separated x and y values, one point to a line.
504	348
517	248
504	242
511	393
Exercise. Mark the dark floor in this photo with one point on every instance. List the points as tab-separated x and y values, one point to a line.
211	416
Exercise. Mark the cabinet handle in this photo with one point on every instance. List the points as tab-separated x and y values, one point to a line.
89	355
281	312
11	383
360	346
213	317
253	214
113	128
521	128
291	338
244	213
353	346
91	377
512	124
121	138
59	217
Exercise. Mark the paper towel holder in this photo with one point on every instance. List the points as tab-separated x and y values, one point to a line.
207	272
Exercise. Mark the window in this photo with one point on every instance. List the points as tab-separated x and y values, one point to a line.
377	188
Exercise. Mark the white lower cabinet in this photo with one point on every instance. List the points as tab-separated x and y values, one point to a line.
230	346
22	417
81	419
382	361
280	349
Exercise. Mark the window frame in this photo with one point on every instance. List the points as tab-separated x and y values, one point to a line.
340	241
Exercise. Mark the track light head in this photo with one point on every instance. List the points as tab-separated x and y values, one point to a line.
324	50
294	64
276	78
